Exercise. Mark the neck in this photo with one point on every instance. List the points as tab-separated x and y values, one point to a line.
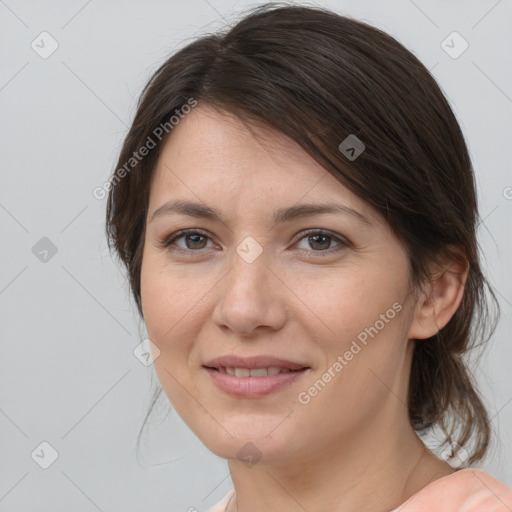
375	472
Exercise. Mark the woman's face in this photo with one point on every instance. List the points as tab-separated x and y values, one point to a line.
260	281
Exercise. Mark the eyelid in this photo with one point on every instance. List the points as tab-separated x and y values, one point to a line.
168	240
342	241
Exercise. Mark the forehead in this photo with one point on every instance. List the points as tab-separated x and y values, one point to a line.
219	159
207	139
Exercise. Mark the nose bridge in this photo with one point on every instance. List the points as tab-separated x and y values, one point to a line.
249	250
246	300
249	269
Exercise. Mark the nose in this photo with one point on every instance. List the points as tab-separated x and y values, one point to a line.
251	298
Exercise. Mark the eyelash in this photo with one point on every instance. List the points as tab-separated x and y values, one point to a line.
343	242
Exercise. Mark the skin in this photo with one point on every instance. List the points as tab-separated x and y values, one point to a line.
351	448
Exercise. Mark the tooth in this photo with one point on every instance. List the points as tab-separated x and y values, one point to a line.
284	370
231	371
242	372
221	370
258	372
273	370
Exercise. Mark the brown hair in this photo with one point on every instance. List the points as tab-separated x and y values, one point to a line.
318	77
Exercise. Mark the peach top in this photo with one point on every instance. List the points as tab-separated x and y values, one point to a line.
466	490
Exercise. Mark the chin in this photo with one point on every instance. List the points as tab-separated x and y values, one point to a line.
248	444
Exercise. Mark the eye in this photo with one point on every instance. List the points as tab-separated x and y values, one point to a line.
320	241
193	239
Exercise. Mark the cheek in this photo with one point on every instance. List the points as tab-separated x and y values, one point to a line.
359	323
357	379
171	330
168	318
340	303
167	297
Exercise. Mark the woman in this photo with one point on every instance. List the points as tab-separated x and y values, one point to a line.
296	209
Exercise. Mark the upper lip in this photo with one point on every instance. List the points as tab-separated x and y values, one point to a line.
230	361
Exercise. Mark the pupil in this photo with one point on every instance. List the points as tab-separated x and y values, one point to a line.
318	236
195	237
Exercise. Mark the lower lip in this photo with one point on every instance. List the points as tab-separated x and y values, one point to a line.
253	387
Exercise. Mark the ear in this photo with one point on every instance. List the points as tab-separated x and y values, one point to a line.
438	303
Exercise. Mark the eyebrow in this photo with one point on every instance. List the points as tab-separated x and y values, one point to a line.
281	215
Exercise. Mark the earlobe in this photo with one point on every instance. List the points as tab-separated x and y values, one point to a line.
437	305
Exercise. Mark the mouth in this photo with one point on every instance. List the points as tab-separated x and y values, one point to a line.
253	372
253	377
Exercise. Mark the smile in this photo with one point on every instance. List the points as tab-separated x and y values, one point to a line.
253	376
253	372
254	382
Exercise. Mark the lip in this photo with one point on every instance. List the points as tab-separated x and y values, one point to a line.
230	361
253	387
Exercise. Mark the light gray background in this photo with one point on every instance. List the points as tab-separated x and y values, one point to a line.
68	329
